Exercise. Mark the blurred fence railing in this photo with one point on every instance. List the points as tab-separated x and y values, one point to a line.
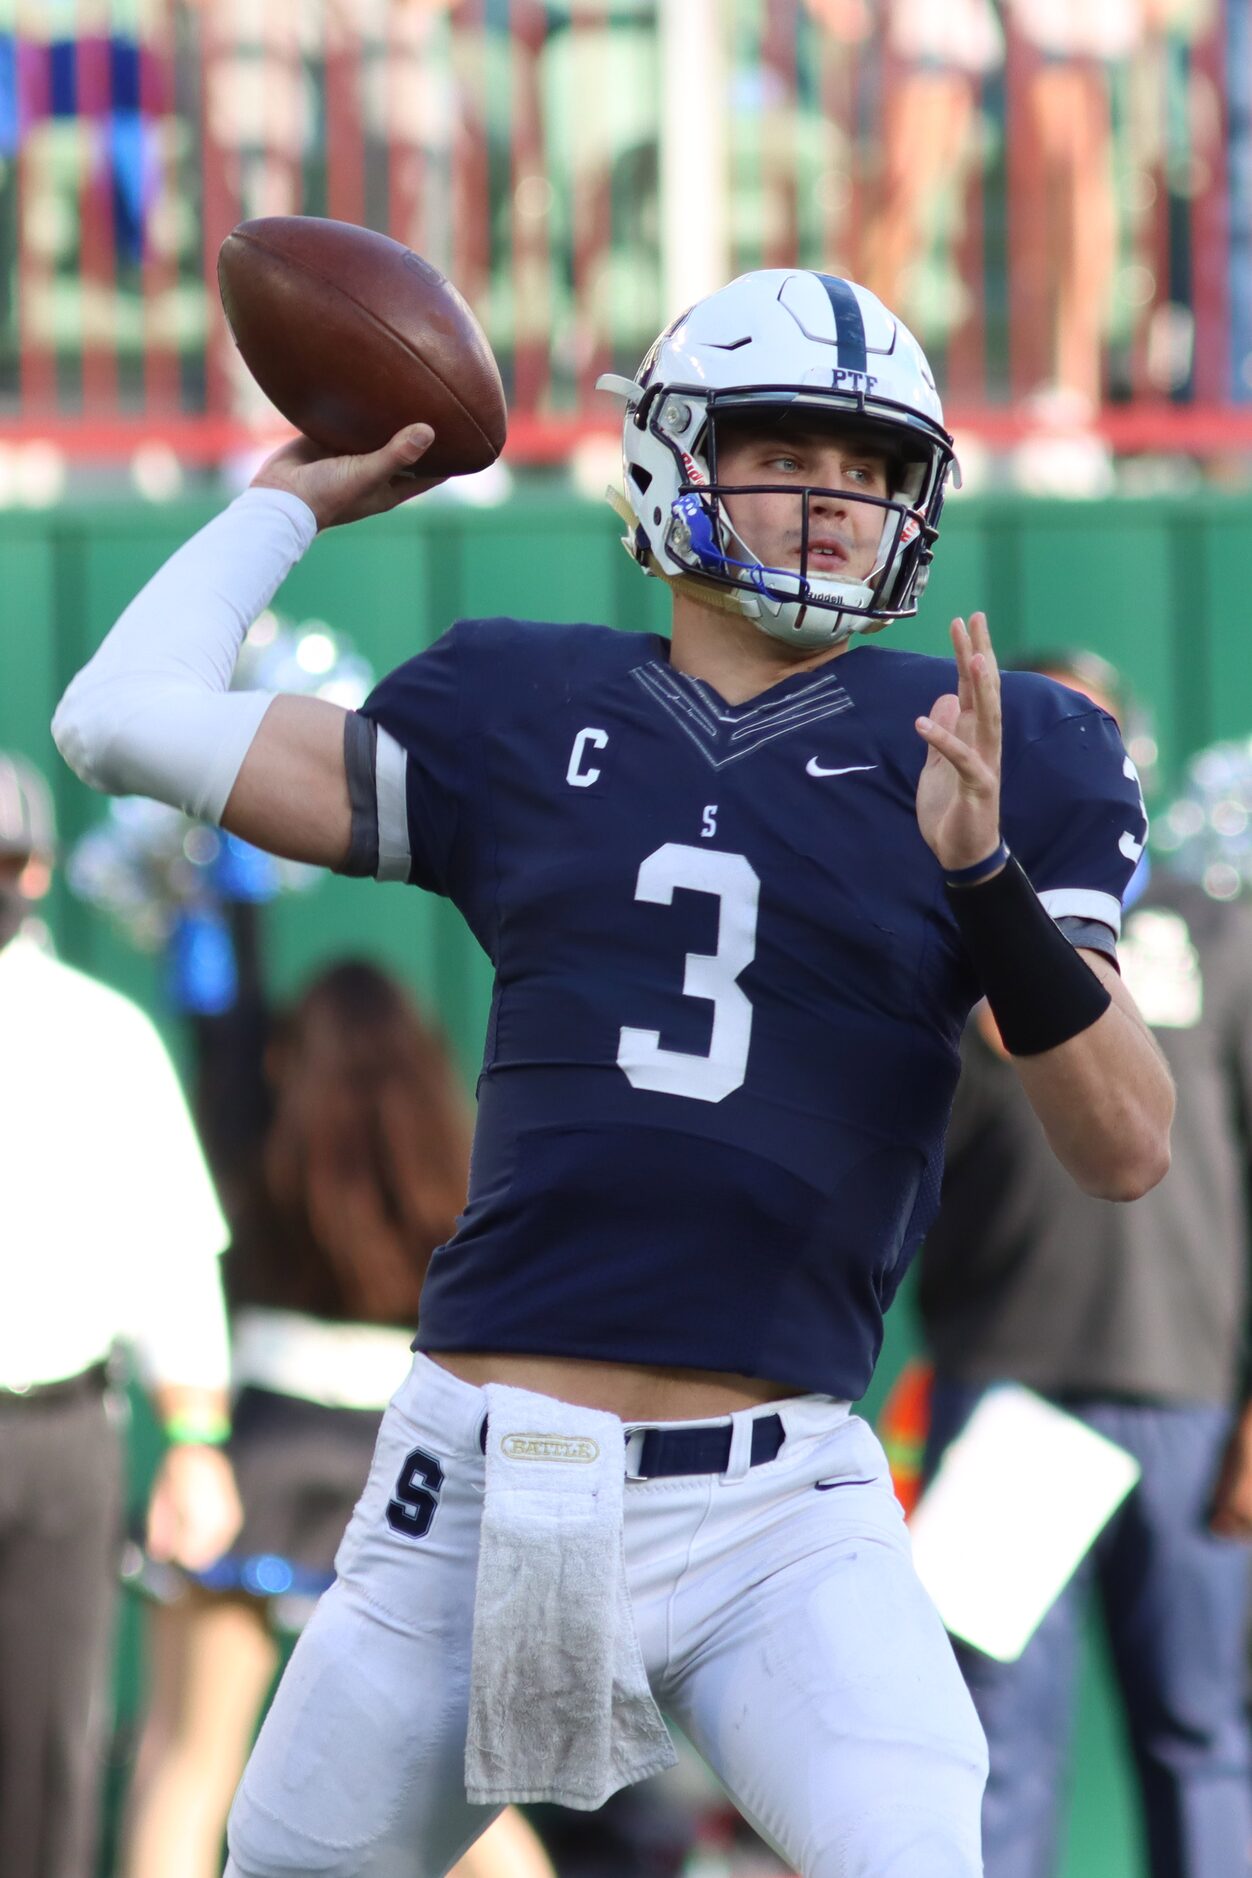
1056	193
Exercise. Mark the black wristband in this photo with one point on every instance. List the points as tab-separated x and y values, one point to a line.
1040	991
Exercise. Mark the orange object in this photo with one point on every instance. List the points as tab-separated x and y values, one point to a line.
903	1426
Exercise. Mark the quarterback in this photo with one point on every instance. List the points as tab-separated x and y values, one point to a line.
740	889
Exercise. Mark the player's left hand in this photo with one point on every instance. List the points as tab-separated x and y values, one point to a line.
194	1510
958	795
1231	1516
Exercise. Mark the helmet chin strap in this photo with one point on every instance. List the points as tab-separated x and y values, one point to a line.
708	592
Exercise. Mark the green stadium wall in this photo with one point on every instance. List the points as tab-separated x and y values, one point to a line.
1154	584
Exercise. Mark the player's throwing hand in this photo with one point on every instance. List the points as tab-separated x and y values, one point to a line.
348	488
958	796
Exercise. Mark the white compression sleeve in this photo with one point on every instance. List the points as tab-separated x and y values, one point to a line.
151	713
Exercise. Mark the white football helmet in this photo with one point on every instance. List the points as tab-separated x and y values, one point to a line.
815	347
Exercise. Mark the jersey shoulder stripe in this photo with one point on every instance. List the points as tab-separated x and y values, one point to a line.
376	769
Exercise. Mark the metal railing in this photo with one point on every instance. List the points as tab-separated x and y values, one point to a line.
1062	209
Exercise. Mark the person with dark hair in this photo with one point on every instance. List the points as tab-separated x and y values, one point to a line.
740	889
360	1172
1134	1319
111	1238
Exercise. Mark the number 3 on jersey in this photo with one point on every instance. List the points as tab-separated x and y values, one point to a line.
733	881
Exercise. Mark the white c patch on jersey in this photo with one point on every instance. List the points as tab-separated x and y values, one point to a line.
576	775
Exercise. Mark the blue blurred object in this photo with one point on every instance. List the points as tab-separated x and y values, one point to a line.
202	978
263	1575
289	1591
134	170
8	96
170	881
63	78
242	872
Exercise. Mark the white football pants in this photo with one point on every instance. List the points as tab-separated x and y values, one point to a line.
782	1628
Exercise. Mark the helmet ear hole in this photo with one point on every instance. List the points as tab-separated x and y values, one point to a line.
641	477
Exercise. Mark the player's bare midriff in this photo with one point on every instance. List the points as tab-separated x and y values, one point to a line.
636	1392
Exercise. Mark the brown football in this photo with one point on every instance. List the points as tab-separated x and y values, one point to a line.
352	335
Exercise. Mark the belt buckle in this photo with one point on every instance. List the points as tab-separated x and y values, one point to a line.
635	1433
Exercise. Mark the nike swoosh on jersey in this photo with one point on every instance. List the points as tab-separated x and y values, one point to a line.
828	1486
814	768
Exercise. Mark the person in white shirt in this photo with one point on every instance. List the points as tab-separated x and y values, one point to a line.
112	1234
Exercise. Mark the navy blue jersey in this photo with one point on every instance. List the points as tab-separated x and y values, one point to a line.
729	994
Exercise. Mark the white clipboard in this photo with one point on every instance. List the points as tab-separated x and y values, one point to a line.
1016	1504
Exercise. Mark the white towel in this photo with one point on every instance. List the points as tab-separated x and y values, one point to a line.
560	1707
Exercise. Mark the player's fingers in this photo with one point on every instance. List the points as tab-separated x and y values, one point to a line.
982	656
404	448
984	689
965	760
369	475
980	637
986	692
946	711
963	653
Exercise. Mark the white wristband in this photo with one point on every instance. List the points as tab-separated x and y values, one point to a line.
152	713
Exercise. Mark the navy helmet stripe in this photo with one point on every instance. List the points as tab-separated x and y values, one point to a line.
849	326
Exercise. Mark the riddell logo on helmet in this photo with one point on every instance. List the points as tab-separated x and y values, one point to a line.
694	473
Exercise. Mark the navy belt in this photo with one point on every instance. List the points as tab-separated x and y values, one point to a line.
670	1451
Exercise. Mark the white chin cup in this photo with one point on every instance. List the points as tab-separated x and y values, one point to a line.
797	622
785	615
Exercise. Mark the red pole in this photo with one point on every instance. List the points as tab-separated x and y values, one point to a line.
531	270
471	170
967	352
36	359
97	223
409	31
159	269
219	161
1210	219
345	146
1027	209
780	238
590	191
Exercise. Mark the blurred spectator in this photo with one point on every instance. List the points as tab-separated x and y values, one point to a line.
936	54
111	1232
1064	265
1131	1318
356	1176
1074	226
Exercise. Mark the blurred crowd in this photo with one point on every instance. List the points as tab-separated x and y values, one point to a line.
1054	192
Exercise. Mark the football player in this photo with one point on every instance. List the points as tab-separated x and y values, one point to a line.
741	889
